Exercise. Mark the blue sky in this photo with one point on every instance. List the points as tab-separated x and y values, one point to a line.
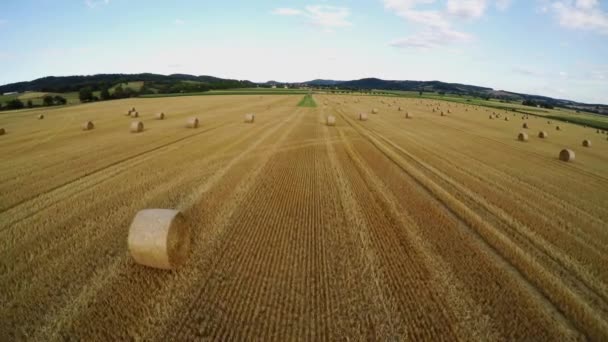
546	47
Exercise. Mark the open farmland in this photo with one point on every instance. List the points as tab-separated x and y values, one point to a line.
428	228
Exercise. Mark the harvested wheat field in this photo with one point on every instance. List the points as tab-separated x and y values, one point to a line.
438	228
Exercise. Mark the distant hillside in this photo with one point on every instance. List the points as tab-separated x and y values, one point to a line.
157	82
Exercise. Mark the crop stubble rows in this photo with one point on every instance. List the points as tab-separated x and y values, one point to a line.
366	230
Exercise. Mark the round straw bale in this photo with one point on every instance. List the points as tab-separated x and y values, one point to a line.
375	111
160	116
399	109
587	143
442	114
249	118
192	123
362	116
87	126
408	115
134	114
522	136
137	126
331	120
40	116
491	117
506	118
557	128
525	125
159	238
2	131
542	134
566	155
598	131
549	122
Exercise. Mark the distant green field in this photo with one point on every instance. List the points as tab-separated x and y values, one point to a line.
307	101
244	91
36	97
133	85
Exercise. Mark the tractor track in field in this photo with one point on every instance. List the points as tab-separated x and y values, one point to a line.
581	311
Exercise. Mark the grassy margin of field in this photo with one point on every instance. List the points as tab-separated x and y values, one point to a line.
307	101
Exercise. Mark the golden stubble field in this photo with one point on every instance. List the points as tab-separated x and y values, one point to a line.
429	228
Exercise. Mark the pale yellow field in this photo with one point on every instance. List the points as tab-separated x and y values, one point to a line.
430	228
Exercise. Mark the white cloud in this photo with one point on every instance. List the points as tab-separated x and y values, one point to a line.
436	28
321	16
430	39
563	74
179	22
286	11
466	9
502	5
581	15
95	3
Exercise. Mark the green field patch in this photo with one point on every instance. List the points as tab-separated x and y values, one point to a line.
307	101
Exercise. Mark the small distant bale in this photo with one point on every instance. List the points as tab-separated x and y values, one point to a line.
249	118
525	125
557	128
598	131
549	122
375	111
362	117
399	109
408	115
506	118
491	117
134	114
87	126
2	131
192	123
566	155
449	111
331	120
442	114
542	134
137	126
159	238
133	109
160	116
587	143
40	116
522	136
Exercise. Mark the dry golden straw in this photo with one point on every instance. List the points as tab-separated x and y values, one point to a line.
160	116
192	123
249	118
134	114
41	116
542	134
159	238
375	111
137	126
331	120
362	116
587	143
566	155
522	136
2	131
87	126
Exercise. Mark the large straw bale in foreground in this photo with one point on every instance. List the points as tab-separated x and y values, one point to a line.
522	136
137	126
566	155
192	123
159	238
87	126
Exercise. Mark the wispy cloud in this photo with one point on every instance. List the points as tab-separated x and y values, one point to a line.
527	71
436	24
324	17
95	3
580	15
179	22
286	11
